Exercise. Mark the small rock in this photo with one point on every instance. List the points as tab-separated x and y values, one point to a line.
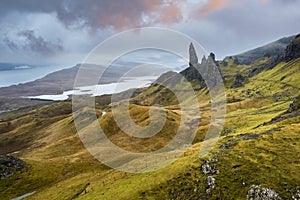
211	181
296	193
259	193
207	168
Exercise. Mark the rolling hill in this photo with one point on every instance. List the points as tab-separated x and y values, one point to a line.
255	157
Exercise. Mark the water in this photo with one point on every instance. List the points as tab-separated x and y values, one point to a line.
24	196
25	74
158	62
97	90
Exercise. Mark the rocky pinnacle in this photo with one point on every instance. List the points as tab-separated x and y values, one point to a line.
193	55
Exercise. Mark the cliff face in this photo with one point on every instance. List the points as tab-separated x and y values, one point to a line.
274	49
293	49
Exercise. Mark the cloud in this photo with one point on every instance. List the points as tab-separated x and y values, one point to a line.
212	5
11	45
96	14
30	29
120	14
33	43
244	25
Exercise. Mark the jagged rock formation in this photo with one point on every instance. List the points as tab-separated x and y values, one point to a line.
213	57
239	81
191	73
211	70
208	67
293	49
9	165
258	193
193	55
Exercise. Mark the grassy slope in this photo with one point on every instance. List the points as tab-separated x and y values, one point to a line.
272	160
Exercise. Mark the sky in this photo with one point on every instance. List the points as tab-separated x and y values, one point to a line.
65	31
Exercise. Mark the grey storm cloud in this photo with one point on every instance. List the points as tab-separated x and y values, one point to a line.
97	14
69	29
33	43
126	13
10	44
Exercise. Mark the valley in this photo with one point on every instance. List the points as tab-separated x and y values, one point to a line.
257	150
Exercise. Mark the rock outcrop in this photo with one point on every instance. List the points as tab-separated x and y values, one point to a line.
295	105
208	168
207	72
291	112
293	49
296	193
239	81
208	68
9	165
269	65
259	193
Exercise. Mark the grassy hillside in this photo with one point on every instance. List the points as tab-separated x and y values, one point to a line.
260	145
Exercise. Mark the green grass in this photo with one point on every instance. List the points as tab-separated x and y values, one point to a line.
60	167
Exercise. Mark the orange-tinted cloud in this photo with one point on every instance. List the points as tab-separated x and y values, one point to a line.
170	13
118	14
136	13
212	5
